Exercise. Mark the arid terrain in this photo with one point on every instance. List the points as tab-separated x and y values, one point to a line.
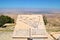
53	20
53	25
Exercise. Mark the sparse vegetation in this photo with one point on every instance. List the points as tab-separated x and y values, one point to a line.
5	19
45	20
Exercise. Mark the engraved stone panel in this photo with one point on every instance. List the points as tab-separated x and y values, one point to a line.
29	26
22	33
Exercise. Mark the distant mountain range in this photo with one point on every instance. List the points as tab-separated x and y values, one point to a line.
28	10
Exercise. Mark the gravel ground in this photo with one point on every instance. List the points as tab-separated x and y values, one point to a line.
6	35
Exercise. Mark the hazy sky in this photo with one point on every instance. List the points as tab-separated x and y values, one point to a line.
30	4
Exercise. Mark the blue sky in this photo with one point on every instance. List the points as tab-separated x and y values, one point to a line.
30	4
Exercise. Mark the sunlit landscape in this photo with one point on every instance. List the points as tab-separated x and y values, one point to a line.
43	16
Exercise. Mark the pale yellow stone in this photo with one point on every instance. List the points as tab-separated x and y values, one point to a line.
30	26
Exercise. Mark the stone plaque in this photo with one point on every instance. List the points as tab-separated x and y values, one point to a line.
29	26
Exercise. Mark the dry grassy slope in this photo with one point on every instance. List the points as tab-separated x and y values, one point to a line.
53	22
